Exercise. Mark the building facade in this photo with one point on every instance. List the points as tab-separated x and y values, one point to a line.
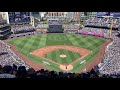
76	17
87	15
19	17
57	16
73	16
5	16
69	16
92	14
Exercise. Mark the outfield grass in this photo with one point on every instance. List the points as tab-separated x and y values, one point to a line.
27	44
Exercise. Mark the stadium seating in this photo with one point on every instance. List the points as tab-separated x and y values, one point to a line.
16	29
102	23
8	57
5	30
99	32
111	59
21	72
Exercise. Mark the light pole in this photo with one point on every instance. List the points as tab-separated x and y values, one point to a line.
111	29
111	26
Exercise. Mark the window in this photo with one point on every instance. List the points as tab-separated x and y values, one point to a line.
85	13
59	14
52	14
49	14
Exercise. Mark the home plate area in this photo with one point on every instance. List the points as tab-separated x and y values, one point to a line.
66	67
61	56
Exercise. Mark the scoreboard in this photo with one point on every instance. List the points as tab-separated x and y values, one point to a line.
19	17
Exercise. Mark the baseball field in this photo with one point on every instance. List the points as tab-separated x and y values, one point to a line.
59	52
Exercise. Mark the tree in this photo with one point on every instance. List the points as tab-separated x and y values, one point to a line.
48	29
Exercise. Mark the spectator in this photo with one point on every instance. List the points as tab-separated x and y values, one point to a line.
1	69
22	72
7	72
31	73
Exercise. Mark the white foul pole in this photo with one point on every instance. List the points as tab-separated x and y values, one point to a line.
7	17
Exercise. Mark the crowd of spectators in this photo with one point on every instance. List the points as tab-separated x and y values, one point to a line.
15	71
24	34
100	32
102	22
5	29
2	21
8	57
111	60
110	64
24	28
71	28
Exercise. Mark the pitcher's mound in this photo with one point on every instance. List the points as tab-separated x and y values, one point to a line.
66	67
63	56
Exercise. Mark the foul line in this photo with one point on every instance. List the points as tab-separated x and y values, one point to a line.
79	59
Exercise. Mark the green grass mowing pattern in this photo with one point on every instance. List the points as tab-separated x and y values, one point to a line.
43	40
27	44
39	61
62	60
78	41
26	47
56	37
53	55
89	42
71	56
74	42
35	44
77	66
15	41
32	45
67	59
57	56
49	56
62	40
